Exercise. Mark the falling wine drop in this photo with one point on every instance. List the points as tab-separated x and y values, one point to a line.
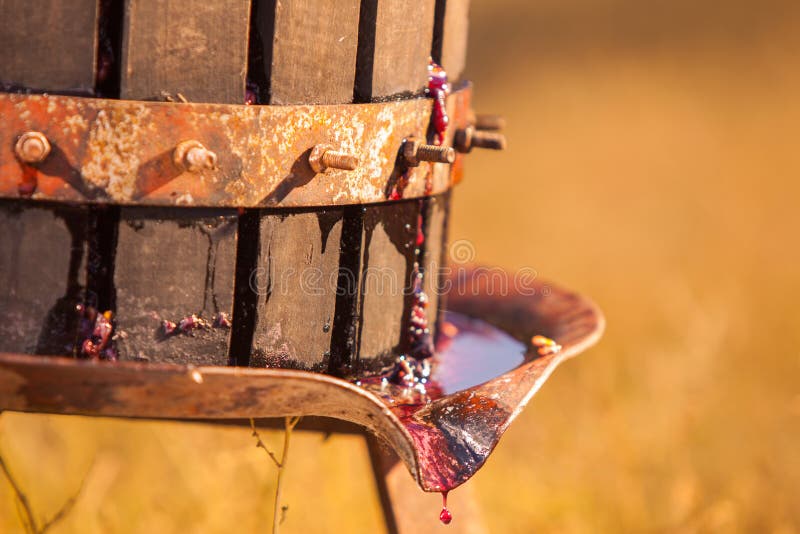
445	516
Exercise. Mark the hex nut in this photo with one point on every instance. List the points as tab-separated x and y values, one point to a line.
32	147
192	156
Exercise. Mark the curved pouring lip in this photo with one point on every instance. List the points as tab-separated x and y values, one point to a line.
443	443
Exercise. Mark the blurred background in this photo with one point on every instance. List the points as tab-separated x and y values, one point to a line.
652	165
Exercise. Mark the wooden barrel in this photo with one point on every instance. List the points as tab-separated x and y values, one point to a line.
329	286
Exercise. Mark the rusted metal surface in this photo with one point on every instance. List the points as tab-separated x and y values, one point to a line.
324	157
443	443
122	151
459	108
471	137
415	152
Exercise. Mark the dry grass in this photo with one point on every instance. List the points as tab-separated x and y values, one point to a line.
653	165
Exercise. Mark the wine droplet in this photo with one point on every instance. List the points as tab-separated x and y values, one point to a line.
438	89
445	516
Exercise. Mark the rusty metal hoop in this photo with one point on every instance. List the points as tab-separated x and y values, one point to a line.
122	151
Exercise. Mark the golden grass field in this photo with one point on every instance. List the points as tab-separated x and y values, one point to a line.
653	164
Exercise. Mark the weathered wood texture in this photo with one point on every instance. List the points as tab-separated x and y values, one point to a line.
42	276
48	44
309	49
169	265
390	235
450	42
435	255
192	47
347	319
296	289
172	264
374	288
394	46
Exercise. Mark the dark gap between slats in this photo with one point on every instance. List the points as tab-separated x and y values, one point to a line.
103	230
245	299
346	321
109	48
260	45
438	31
365	55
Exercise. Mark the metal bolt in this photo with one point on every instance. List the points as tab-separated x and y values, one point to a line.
32	147
323	157
192	156
469	138
415	151
489	122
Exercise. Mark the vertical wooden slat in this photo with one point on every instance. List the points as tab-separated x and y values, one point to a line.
434	257
169	265
42	266
192	47
299	256
394	46
48	45
390	232
309	49
307	52
450	47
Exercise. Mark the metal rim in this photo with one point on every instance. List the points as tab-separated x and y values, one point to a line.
163	391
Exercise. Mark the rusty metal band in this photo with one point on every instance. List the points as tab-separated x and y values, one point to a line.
122	152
